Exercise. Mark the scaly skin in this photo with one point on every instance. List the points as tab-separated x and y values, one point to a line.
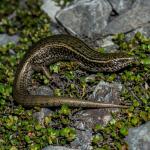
60	48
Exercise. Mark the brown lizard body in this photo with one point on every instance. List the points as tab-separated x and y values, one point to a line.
60	48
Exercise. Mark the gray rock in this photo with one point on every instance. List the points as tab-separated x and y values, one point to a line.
139	138
42	90
106	92
50	8
107	44
130	20
85	17
83	137
57	148
4	38
121	6
88	118
56	29
145	30
42	114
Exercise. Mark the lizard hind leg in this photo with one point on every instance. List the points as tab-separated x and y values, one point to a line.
44	69
46	72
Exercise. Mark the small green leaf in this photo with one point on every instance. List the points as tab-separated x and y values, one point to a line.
13	148
38	127
124	131
98	127
97	138
57	92
27	139
144	115
135	103
64	110
55	68
134	120
145	61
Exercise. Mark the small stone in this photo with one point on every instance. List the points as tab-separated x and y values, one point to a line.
139	138
12	52
106	92
42	90
83	137
41	115
145	30
4	39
